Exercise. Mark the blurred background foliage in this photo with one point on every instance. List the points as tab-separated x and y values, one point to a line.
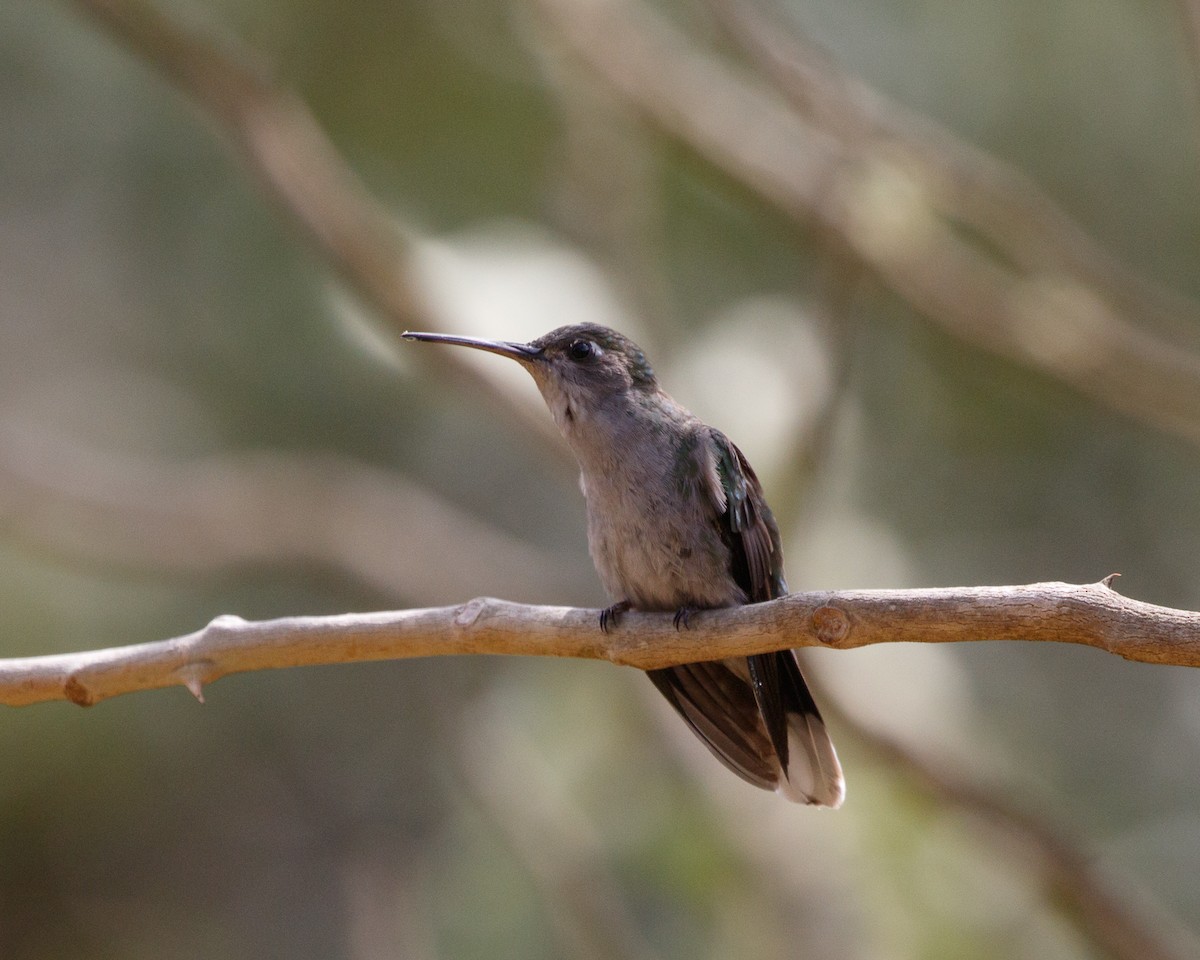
159	318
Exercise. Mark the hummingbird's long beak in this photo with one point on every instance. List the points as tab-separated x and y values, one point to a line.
521	352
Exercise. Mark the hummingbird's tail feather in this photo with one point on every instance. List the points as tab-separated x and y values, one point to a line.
813	773
758	718
810	767
719	707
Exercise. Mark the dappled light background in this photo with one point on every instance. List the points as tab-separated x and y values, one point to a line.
197	417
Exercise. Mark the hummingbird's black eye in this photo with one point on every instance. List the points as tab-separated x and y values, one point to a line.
580	350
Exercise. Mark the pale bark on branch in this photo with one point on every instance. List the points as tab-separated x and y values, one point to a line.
1092	614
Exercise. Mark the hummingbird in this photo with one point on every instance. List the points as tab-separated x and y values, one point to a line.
677	521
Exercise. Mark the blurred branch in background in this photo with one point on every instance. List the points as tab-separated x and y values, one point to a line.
967	186
1110	912
839	279
285	149
883	201
1054	319
1091	614
93	506
524	804
608	188
1116	918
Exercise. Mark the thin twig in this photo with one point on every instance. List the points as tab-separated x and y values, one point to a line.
1092	614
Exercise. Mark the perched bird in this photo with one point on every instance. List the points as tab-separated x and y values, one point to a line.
677	521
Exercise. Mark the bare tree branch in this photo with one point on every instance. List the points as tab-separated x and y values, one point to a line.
1093	614
1047	316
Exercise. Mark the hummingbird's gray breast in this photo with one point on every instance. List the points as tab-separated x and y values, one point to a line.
653	504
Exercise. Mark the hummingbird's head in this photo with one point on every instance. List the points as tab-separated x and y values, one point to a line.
591	360
577	368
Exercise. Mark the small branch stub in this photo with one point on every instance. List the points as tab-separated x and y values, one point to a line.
469	612
77	693
193	676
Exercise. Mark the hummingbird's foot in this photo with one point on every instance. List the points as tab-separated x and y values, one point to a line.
608	616
682	617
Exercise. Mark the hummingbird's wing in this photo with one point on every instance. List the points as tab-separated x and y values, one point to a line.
746	522
755	714
793	725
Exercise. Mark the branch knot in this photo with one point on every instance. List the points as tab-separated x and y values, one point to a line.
830	624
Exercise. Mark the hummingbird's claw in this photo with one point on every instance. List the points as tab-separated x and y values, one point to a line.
609	614
682	617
